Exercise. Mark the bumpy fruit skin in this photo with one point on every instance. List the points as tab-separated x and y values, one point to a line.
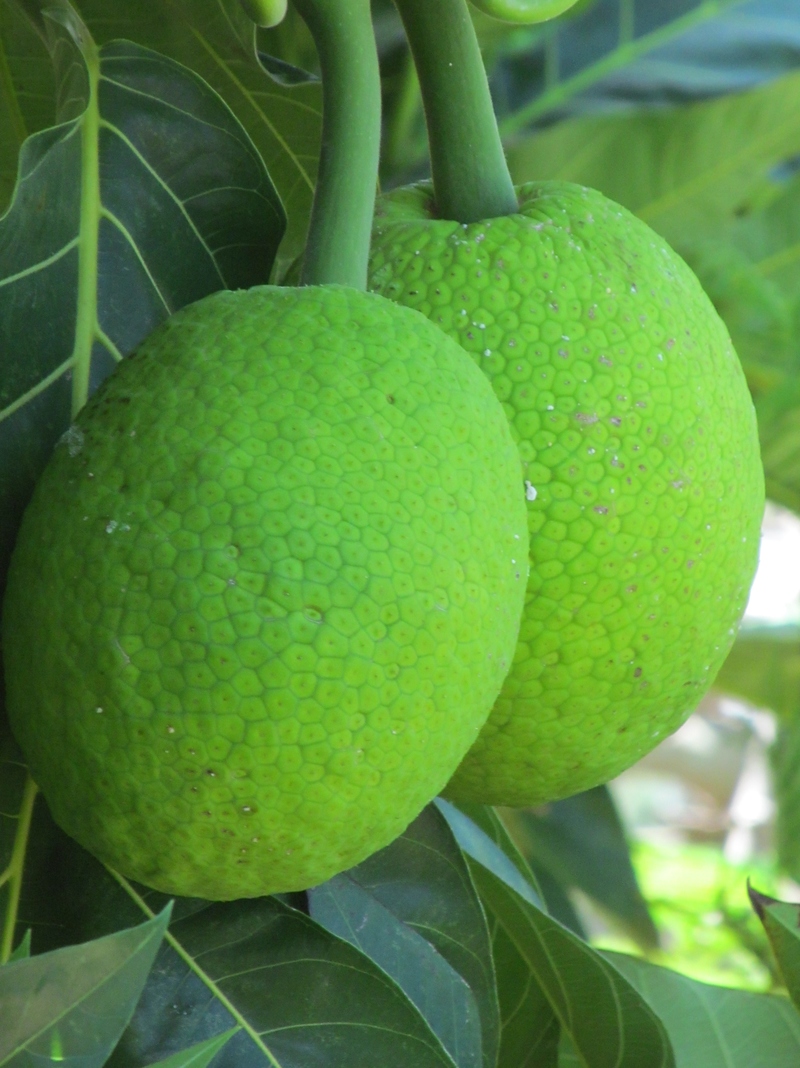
266	592
638	442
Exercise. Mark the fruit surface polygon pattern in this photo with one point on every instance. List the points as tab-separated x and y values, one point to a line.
266	592
638	442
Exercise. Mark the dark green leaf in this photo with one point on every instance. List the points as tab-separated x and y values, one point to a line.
26	91
199	1055
285	73
75	1002
490	845
156	187
620	1030
302	997
529	1027
216	39
23	950
415	902
438	991
713	1026
781	921
581	842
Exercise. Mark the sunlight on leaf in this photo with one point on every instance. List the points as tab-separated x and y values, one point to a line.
621	1031
713	1026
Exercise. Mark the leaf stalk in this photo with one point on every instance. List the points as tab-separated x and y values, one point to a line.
13	873
89	234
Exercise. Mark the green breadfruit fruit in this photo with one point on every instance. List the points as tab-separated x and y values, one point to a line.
639	446
266	592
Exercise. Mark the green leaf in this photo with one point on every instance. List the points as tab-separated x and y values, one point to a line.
155	197
216	39
438	991
581	842
413	909
781	921
23	950
529	1027
199	1055
668	167
75	1002
300	995
620	1030
26	91
490	844
716	1027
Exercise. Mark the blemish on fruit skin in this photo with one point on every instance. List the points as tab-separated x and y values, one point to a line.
530	491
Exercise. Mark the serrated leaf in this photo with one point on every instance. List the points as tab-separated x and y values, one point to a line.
155	196
75	1002
581	842
420	886
199	1055
621	1030
716	1027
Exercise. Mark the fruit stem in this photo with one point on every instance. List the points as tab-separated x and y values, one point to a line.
471	180
13	873
337	248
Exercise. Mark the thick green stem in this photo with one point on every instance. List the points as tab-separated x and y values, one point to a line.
337	249
470	175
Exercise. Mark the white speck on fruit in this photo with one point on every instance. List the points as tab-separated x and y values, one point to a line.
111	526
73	439
530	492
98	710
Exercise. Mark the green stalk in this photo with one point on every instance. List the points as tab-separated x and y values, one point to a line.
13	873
337	248
471	180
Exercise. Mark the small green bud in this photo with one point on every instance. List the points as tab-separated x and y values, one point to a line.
528	11
265	13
